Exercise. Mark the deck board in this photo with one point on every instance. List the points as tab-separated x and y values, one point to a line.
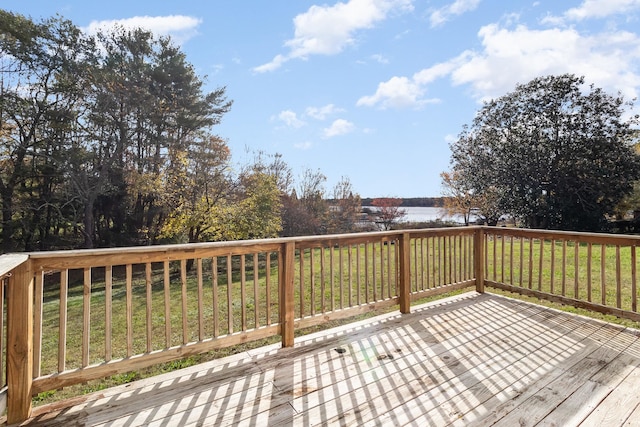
473	359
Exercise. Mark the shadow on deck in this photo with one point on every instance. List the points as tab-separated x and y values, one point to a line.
474	359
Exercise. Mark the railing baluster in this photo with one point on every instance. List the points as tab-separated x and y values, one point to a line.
634	298
301	284
576	263
589	284
618	279
366	271
553	265
322	280
460	259
495	256
86	316
382	269
540	264
341	273
350	274
129	308
564	267
603	274
243	293
531	240
215	296
37	325
185	309
389	272
358	284
415	266
404	293
200	300
108	312
267	284
312	274
440	268
3	336
373	263
429	263
256	295
511	260
446	248
62	334
502	239
167	303
229	295
485	242
332	275
521	264
479	258
149	311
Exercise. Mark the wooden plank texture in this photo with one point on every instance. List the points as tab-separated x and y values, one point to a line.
472	359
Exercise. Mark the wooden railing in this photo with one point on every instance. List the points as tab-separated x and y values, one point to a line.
596	272
74	316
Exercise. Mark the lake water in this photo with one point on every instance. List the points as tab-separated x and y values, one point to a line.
424	214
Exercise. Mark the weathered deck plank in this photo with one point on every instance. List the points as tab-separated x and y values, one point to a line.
467	360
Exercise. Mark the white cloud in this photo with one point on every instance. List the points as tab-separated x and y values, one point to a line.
321	113
271	66
339	127
290	118
328	30
179	27
595	9
303	145
458	7
379	58
610	60
397	92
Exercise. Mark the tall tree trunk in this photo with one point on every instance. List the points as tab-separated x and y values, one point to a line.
8	244
89	225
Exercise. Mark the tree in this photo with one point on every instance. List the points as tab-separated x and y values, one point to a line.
306	212
388	211
148	109
458	199
42	66
553	153
345	209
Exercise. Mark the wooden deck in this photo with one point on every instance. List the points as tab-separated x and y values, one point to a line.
475	359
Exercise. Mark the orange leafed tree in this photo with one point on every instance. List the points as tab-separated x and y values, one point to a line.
388	211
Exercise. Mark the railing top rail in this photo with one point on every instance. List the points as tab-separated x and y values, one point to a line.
9	262
583	237
193	247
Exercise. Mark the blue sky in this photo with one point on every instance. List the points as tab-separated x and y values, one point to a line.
373	90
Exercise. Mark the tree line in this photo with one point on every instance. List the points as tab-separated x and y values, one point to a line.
108	140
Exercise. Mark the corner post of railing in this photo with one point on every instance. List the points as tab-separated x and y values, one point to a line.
286	279
404	290
478	258
20	343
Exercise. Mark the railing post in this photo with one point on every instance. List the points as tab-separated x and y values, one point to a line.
19	343
404	291
286	278
478	258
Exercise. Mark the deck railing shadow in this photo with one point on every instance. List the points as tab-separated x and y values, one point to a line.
74	316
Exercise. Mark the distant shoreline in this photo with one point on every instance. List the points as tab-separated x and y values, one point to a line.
426	202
